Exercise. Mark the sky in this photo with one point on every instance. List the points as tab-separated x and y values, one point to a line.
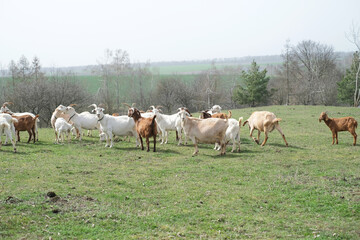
76	32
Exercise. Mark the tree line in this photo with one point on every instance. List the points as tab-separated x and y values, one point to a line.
310	74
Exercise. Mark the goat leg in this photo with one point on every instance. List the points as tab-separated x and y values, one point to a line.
148	144
355	136
34	135
154	143
141	142
282	134
337	139
29	135
333	138
266	137
251	135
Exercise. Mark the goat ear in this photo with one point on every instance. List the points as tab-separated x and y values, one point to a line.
93	111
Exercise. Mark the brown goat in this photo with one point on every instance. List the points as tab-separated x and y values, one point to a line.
340	124
25	123
205	114
145	127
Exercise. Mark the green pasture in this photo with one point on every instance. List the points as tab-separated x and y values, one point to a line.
308	190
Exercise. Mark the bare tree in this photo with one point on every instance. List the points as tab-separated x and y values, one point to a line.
354	37
315	68
121	69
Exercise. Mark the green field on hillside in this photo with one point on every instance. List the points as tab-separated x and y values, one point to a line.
308	190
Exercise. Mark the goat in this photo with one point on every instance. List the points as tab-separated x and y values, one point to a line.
25	123
207	114
58	112
215	109
148	114
85	121
210	130
8	118
177	132
5	109
62	127
145	127
232	132
167	123
89	132
340	124
6	126
118	126
264	121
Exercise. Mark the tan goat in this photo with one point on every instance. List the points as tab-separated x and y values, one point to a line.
340	124
264	121
210	130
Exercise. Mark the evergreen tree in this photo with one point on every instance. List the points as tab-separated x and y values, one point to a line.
346	87
254	90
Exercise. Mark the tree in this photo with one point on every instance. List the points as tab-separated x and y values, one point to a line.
354	37
314	66
286	65
346	86
255	86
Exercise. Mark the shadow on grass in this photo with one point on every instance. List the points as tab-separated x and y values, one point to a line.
284	146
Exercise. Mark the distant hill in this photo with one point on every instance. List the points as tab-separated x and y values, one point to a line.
195	66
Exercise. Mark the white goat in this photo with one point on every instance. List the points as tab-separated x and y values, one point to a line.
210	130
10	121
89	132
58	112
115	125
232	134
167	123
5	109
215	109
62	127
7	128
264	121
87	121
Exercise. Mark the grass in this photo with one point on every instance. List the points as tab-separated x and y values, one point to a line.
308	190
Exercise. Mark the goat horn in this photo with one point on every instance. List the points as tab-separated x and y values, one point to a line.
159	106
133	104
72	105
127	105
7	103
93	105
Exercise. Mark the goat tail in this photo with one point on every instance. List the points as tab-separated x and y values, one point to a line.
276	120
245	122
14	120
240	120
230	114
355	124
36	117
5	125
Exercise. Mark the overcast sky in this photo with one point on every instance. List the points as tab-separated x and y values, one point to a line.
76	32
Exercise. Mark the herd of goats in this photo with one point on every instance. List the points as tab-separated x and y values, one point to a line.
212	126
